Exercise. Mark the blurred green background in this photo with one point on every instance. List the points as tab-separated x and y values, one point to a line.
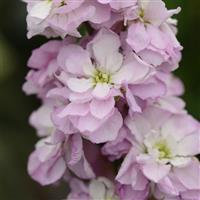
17	138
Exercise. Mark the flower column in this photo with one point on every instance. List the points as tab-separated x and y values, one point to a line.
110	95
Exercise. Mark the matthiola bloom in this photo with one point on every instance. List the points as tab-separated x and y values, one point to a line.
56	154
41	120
43	67
170	100
98	189
174	86
163	147
95	77
63	17
150	36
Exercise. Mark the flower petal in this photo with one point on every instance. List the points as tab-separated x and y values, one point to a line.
79	85
132	71
190	145
74	109
155	171
101	91
108	131
138	38
46	172
189	175
73	58
103	46
174	126
101	108
41	9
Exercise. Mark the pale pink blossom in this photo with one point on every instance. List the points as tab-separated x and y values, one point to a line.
56	154
95	77
165	144
150	36
41	120
43	65
61	18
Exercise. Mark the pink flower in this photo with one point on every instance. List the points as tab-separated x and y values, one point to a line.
41	120
169	100
150	36
162	147
153	12
95	77
56	154
43	66
60	18
173	84
102	68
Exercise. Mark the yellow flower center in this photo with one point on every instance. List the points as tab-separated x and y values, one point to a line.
164	150
101	77
141	13
142	16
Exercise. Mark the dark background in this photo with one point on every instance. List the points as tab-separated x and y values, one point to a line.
17	138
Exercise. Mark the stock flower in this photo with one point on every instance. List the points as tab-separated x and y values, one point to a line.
169	100
163	147
100	188
56	154
95	78
63	17
150	36
41	120
43	66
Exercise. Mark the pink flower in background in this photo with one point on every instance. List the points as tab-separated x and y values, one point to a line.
41	120
61	18
43	66
170	99
151	37
56	154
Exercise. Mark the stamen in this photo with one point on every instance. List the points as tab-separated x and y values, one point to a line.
101	77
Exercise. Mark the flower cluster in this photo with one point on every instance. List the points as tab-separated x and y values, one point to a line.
111	110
